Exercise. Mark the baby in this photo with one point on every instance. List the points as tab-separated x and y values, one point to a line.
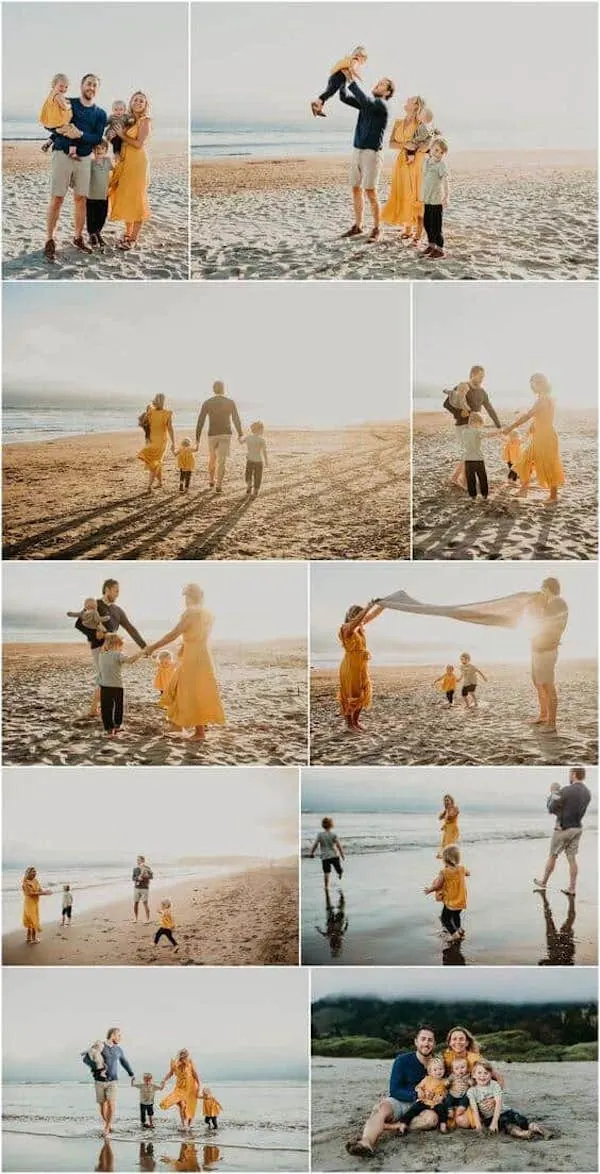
95	1060
512	452
457	1101
257	457
350	64
422	135
186	463
555	789
165	667
120	119
144	421
90	618
57	114
431	1094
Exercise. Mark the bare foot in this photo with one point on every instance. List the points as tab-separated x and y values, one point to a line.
539	721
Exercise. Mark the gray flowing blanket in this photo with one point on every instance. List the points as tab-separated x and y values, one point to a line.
495	613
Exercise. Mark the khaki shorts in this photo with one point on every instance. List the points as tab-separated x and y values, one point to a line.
220	444
543	666
566	841
106	1090
141	895
68	172
365	169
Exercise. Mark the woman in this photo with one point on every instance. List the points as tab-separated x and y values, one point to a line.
187	1088
355	684
403	205
449	828
542	454
159	422
128	192
192	695
32	891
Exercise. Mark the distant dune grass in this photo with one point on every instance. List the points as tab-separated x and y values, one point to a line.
515	1046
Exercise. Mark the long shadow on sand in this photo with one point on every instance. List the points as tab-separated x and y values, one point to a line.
492	525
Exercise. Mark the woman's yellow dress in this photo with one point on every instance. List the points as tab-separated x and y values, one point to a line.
192	696
355	691
450	831
128	190
403	204
542	453
186	1090
32	890
153	452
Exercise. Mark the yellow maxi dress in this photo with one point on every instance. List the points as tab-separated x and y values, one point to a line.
403	204
186	1090
32	890
355	692
153	452
450	831
128	190
542	453
192	697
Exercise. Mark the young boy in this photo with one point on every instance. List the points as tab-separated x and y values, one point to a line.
330	849
434	196
148	1090
471	436
468	676
67	905
350	64
110	662
96	208
256	457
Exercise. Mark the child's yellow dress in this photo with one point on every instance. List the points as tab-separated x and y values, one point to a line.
355	690
447	683
344	63
53	114
186	460
512	450
31	905
164	673
167	919
211	1106
186	1090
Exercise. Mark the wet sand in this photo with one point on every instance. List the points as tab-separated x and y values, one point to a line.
524	215
514	524
263	689
344	1091
315	483
408	723
35	1153
163	250
392	923
255	910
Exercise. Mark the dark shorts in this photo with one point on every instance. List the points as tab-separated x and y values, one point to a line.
511	1117
67	911
456	1102
468	689
331	862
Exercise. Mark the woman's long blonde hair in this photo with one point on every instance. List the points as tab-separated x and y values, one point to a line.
419	104
540	385
159	401
146	111
193	593
30	873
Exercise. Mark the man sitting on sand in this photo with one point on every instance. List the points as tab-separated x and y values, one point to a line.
74	170
112	617
569	804
367	158
408	1070
105	1079
552	617
221	412
141	877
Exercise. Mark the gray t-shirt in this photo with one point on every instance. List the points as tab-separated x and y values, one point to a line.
432	177
109	669
326	842
470	439
481	1092
99	177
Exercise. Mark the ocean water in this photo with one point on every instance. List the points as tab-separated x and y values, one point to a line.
264	1126
266	142
18	130
363	834
53	423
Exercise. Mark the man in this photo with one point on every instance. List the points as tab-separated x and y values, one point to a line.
477	398
367	156
105	1080
408	1070
552	618
112	617
221	412
141	877
569	805
74	170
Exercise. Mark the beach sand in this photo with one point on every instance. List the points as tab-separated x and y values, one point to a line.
521	215
326	494
47	685
408	724
344	1091
514	524
255	910
164	249
392	923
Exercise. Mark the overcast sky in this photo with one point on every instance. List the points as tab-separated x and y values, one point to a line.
495	75
365	789
229	812
250	601
248	1021
135	46
297	355
414	639
513	329
502	983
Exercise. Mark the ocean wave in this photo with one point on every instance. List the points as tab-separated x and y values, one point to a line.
357	846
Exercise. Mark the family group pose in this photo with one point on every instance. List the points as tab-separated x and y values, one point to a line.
101	158
419	192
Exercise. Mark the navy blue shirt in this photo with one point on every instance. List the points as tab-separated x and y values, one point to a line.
91	120
407	1072
113	1055
372	119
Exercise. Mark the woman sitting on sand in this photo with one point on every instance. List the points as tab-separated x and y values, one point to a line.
541	456
32	891
355	683
191	698
187	1088
128	192
403	207
449	829
158	426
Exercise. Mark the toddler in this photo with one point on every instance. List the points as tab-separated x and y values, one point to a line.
144	422
447	684
89	618
95	1060
422	134
118	117
555	790
211	1108
67	905
165	667
256	456
459	1083
110	663
167	923
499	1120
57	113
512	452
96	206
186	463
468	676
434	196
148	1090
330	849
471	437
350	64
450	888
431	1094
